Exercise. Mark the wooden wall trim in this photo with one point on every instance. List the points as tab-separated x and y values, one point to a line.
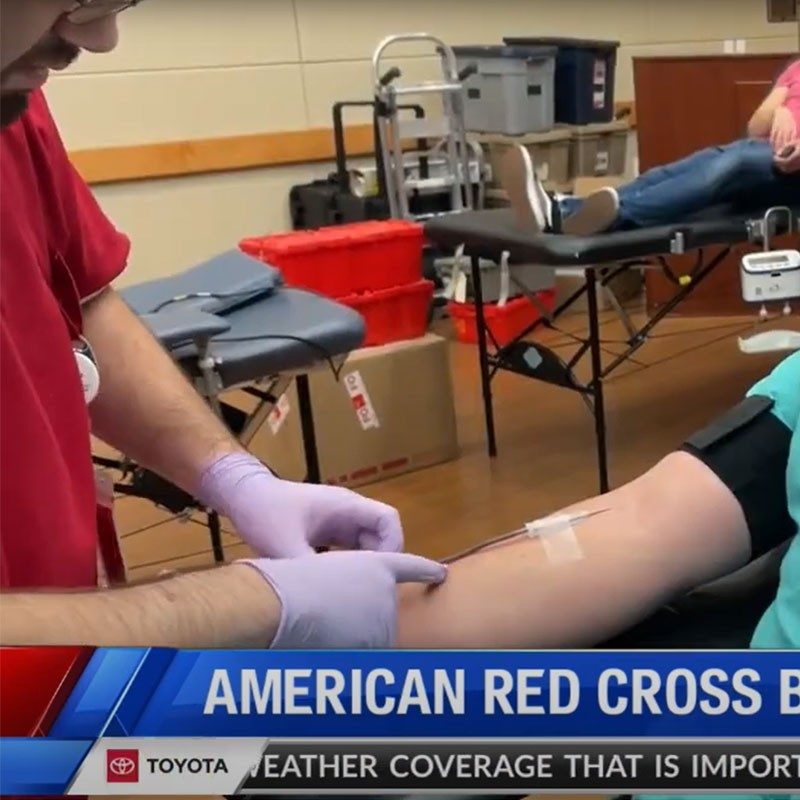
227	154
222	154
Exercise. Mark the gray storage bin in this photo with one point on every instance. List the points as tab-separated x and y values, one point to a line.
599	150
550	152
512	90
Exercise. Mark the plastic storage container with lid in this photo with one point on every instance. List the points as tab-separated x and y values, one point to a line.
393	315
512	90
549	150
598	150
584	80
344	259
505	322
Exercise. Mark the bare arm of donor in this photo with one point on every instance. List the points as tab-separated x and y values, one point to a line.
673	529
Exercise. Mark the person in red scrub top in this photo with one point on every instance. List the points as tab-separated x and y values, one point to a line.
59	315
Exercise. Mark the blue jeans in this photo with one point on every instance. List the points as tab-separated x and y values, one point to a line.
739	174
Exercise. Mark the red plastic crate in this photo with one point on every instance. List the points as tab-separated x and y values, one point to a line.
505	322
392	315
307	259
346	259
386	253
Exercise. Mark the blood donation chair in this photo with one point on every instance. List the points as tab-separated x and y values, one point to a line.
494	235
231	324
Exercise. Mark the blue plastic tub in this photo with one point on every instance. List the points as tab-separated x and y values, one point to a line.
585	75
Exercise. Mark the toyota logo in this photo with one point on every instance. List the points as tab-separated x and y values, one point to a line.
122	766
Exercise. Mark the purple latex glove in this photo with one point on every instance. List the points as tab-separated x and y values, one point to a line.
283	519
342	600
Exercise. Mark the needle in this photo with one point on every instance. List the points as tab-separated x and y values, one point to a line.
507	538
578	516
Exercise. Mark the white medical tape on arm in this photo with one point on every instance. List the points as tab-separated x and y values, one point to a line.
558	537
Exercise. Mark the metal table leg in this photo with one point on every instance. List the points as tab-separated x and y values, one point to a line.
483	355
597	380
313	473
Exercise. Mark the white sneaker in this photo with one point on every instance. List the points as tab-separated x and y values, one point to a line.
531	204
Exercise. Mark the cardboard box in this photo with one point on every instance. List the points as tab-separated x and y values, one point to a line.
391	412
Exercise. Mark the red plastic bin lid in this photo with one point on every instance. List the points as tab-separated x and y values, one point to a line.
296	243
367	298
374	230
333	236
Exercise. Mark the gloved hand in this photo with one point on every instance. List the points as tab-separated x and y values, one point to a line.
344	599
283	519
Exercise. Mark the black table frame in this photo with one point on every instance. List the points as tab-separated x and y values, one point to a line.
491	363
488	234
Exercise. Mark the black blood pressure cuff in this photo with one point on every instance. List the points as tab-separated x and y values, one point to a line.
748	449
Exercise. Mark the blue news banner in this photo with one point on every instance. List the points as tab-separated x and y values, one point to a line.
141	721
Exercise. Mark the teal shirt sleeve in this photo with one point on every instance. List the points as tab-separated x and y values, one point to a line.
780	626
783	386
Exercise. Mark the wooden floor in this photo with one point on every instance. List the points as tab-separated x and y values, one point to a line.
689	372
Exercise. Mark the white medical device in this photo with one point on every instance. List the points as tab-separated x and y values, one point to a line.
772	275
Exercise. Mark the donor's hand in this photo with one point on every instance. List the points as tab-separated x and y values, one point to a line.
788	159
784	129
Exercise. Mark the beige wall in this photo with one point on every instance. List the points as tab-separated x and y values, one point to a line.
204	68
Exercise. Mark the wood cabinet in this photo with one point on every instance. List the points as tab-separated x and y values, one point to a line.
684	104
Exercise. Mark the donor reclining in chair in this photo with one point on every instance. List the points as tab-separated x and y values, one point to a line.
754	173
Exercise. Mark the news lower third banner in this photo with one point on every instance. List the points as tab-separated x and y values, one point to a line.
141	721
